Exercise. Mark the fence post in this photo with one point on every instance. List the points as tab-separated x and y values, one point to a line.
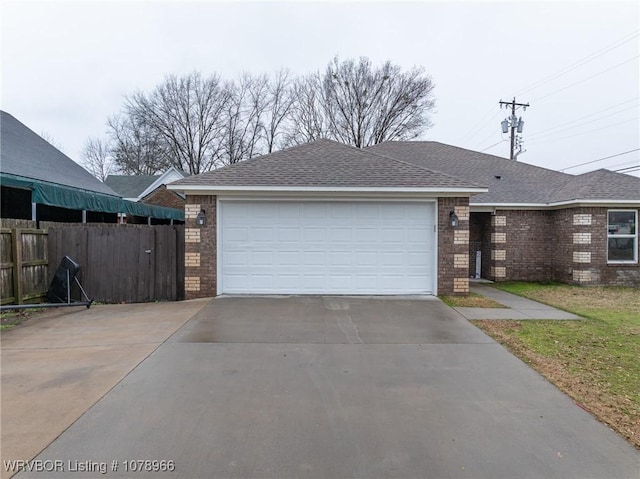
16	251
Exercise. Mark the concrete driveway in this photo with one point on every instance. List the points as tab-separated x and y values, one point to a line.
326	387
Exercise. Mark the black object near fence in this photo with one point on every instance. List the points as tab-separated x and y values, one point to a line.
130	264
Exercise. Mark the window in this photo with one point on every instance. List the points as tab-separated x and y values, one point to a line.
622	236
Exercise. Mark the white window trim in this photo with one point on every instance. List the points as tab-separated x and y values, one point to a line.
622	236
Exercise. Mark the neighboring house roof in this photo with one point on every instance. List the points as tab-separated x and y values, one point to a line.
136	187
513	182
130	186
326	164
26	154
28	161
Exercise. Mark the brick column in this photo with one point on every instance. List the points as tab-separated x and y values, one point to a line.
200	247
581	239
498	247
453	247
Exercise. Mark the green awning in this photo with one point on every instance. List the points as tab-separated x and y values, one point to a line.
53	194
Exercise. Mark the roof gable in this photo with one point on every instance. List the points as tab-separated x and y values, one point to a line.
138	186
325	164
26	154
130	186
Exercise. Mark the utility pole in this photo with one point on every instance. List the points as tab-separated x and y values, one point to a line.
514	124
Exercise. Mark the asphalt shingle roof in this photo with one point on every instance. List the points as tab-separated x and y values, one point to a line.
326	163
600	185
512	181
130	186
26	154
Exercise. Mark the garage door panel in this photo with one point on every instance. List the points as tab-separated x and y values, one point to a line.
262	234
326	247
313	235
236	258
421	260
236	233
417	235
313	258
366	258
312	282
287	258
261	258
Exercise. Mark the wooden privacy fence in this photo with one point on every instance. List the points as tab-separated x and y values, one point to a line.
123	263
24	273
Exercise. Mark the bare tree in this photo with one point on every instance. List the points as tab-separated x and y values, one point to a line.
279	109
96	158
196	123
360	105
307	121
136	148
243	133
186	115
51	140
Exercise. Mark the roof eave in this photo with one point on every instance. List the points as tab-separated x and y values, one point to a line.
431	191
559	204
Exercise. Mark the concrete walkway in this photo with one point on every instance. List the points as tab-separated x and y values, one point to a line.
516	307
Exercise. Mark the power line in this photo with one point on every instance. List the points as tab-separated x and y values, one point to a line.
583	61
584	132
578	125
637	168
632	168
585	79
591	114
634	162
487	137
600	159
495	144
476	129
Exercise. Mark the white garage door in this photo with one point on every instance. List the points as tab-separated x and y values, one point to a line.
287	247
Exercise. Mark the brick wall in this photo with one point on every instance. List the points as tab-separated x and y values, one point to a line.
562	236
567	245
585	260
161	196
200	248
522	245
453	247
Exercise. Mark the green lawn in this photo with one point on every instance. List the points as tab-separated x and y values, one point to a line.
596	361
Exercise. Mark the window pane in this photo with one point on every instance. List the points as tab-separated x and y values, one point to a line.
621	249
622	222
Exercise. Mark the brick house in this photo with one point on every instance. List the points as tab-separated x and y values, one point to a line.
402	218
536	224
149	189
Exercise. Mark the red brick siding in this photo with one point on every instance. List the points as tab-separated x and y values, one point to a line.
446	247
562	237
161	196
529	246
603	273
539	247
207	271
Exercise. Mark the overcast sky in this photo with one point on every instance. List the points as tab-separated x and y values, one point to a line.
67	65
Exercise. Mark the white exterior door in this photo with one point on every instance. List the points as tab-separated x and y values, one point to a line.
326	247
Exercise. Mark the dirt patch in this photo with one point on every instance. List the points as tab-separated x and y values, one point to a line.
473	300
11	318
616	411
